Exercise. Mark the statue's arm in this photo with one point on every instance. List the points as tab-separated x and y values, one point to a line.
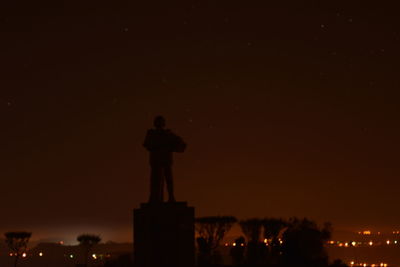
178	145
147	140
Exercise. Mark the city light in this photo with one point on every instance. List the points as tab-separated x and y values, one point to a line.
24	255
365	264
40	254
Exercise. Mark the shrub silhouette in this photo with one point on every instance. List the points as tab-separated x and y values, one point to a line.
303	244
237	251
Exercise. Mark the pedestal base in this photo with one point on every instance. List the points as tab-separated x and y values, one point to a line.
164	235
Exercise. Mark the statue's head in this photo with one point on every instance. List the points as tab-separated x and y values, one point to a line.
159	122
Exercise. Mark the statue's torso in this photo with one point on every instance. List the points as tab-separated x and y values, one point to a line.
160	145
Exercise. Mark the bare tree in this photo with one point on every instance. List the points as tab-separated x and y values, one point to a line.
211	231
252	228
17	242
87	241
273	229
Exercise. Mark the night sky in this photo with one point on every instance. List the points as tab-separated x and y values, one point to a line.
288	109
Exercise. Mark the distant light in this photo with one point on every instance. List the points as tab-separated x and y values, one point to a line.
367	232
61	242
241	244
371	243
354	243
40	254
352	263
11	254
388	242
94	256
395	241
346	244
71	256
234	244
24	255
226	244
265	241
365	265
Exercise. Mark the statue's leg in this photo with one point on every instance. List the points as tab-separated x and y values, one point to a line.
169	181
161	185
156	183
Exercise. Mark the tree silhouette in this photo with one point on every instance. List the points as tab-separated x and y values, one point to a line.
87	241
273	228
251	228
303	244
211	231
17	242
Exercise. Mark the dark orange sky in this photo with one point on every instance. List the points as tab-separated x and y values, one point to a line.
288	110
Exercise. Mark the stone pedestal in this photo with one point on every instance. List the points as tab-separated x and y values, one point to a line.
164	235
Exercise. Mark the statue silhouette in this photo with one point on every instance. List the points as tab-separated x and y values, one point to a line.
161	143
